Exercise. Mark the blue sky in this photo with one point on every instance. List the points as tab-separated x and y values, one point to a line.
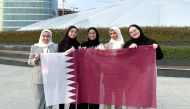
85	4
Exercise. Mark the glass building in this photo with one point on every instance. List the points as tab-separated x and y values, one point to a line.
15	14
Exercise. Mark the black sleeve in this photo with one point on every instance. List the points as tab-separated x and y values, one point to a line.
159	53
83	44
79	45
60	47
127	44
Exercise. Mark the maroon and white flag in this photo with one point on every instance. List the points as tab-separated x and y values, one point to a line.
124	77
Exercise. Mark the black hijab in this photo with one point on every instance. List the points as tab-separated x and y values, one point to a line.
141	37
92	43
67	42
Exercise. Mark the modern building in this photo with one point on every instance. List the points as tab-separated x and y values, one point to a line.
142	12
15	14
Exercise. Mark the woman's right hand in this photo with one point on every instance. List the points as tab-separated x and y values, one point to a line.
133	45
37	56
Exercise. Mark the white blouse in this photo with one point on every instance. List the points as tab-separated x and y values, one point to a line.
45	50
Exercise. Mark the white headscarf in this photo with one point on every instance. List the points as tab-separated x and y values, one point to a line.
117	44
40	43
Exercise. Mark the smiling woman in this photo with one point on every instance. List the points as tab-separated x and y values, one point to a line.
116	41
45	45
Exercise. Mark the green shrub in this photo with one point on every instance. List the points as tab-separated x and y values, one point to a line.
176	52
168	34
161	34
15	36
157	33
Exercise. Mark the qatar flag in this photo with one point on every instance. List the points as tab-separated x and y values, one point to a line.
56	78
124	77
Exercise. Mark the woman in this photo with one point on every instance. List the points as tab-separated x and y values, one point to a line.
138	38
68	44
45	45
93	39
116	42
93	42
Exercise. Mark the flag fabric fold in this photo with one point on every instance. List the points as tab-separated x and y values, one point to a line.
124	77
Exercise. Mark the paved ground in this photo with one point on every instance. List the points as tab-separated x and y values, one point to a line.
16	90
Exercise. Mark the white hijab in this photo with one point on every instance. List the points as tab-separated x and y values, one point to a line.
117	44
40	43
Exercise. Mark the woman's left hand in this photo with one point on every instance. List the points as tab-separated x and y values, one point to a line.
155	46
133	45
72	49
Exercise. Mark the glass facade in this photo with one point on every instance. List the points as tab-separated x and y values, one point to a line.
15	14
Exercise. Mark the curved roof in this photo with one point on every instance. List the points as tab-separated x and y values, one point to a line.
141	12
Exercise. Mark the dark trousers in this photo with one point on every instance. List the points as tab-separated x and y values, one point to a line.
62	106
87	106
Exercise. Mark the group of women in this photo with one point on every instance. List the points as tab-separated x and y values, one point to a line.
69	43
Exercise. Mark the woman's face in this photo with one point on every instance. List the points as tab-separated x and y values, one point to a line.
134	32
92	34
46	37
73	33
113	35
